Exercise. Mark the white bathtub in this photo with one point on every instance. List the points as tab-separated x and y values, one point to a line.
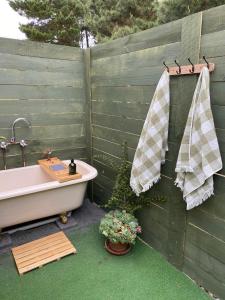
28	193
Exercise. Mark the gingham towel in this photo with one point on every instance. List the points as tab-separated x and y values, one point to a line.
199	155
152	145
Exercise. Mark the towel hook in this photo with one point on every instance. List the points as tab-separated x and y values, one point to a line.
178	72
206	62
193	67
167	68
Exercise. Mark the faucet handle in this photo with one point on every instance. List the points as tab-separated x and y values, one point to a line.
23	143
4	145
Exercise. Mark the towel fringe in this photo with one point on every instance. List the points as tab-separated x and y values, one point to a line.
179	184
195	203
136	189
148	185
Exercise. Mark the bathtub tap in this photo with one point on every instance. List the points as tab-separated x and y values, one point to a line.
22	142
4	145
13	138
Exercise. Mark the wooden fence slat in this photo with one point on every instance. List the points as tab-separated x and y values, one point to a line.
30	48
165	34
35	92
23	63
30	77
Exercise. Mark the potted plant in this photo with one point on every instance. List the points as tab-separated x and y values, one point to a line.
120	229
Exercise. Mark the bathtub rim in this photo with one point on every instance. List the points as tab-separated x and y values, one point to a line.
92	173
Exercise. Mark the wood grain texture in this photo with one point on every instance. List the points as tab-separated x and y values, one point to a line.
165	34
44	83
62	175
46	50
37	253
124	74
113	85
23	63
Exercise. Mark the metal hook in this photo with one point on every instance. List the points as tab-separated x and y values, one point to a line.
167	68
178	72
206	62
193	67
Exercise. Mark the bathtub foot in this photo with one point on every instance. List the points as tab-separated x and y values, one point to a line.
64	218
71	222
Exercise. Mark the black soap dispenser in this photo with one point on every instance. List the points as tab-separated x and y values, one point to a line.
72	167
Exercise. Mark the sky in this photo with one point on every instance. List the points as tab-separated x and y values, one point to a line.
9	22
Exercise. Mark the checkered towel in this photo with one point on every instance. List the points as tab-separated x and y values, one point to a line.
152	145
199	155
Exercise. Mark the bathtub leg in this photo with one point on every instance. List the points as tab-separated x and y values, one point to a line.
63	218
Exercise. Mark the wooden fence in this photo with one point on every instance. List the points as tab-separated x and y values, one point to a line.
85	104
46	84
124	74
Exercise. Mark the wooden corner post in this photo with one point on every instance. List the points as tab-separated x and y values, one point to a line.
88	110
190	47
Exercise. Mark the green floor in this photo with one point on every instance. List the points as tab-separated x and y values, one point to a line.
96	275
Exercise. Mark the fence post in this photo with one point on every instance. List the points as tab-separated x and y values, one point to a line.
88	112
190	47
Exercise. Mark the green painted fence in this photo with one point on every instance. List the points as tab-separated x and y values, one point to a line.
124	74
86	103
46	84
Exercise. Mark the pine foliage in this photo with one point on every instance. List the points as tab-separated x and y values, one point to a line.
51	21
170	10
123	197
108	20
66	21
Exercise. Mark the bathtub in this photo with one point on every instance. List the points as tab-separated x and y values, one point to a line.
28	193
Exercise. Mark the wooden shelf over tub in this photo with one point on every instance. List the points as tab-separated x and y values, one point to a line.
57	169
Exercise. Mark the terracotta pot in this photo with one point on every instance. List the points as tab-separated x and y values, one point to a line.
117	248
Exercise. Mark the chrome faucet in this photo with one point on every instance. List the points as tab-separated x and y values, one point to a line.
23	143
13	138
3	145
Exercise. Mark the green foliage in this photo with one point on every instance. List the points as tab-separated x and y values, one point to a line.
51	21
119	227
62	21
170	10
112	19
123	197
65	21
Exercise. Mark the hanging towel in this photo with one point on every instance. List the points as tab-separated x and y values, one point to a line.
199	155
152	145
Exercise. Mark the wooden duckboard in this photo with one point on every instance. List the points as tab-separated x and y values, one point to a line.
37	253
60	176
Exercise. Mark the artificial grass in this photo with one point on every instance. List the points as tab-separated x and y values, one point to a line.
94	274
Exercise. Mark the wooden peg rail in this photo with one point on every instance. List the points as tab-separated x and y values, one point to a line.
187	70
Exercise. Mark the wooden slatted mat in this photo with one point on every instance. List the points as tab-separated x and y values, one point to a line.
37	253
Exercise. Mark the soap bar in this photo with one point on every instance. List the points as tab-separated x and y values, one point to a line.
57	167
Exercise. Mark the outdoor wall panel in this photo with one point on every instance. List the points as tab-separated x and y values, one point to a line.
45	84
124	74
